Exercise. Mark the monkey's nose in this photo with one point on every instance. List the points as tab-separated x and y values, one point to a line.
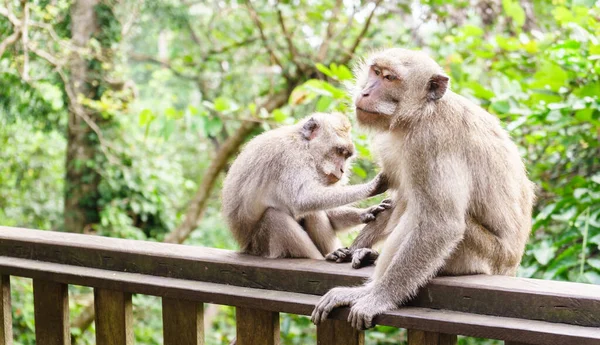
365	94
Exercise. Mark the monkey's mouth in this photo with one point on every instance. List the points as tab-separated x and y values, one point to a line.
367	112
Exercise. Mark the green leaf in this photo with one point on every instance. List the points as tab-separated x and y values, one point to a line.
514	10
173	113
472	30
343	73
584	114
323	69
222	104
278	115
544	253
479	91
592	277
214	125
323	103
595	263
550	75
168	129
146	117
359	171
501	107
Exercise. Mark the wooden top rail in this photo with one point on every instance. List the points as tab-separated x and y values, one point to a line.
514	309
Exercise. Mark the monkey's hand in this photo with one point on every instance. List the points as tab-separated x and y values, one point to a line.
371	213
364	257
365	309
379	184
336	297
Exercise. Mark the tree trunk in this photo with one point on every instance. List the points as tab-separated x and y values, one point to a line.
82	143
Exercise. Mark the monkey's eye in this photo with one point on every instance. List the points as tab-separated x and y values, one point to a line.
390	77
377	72
342	151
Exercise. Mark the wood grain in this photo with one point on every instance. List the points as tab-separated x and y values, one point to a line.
444	321
6	336
51	312
183	322
338	332
532	299
254	326
114	318
417	337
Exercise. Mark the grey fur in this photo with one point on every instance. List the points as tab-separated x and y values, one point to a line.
283	177
462	199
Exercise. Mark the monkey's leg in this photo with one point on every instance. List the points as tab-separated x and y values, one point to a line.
286	237
321	231
360	252
322	226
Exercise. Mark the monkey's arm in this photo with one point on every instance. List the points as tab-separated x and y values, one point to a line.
313	197
360	252
431	228
342	218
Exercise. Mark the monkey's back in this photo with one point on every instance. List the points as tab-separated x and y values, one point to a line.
254	180
501	193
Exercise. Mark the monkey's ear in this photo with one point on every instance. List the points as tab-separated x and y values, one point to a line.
438	84
310	129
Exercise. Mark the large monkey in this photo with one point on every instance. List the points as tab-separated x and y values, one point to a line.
281	197
462	199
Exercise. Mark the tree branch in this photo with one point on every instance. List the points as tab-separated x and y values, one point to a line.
227	149
361	35
259	25
9	40
329	31
288	38
163	63
25	39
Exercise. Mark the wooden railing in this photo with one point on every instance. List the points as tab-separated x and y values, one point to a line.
519	311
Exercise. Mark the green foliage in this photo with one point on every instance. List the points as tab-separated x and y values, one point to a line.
174	80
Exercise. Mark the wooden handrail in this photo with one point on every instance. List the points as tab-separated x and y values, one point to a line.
513	309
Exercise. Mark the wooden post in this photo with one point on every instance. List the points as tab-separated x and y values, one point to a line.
51	310
183	322
5	311
256	326
114	317
338	332
515	343
416	337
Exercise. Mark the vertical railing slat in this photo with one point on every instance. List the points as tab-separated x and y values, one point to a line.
416	337
338	332
183	322
51	312
5	311
114	317
257	327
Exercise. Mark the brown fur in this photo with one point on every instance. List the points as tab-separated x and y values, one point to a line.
466	194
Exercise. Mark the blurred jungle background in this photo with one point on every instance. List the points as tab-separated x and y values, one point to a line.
119	118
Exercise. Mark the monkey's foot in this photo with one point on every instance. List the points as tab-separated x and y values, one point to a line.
363	257
359	257
340	255
336	297
365	309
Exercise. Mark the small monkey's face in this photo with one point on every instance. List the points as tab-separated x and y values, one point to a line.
392	80
330	144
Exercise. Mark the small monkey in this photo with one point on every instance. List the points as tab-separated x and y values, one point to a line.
284	194
462	201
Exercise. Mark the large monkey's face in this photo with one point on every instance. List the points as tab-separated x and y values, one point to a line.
330	144
393	80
